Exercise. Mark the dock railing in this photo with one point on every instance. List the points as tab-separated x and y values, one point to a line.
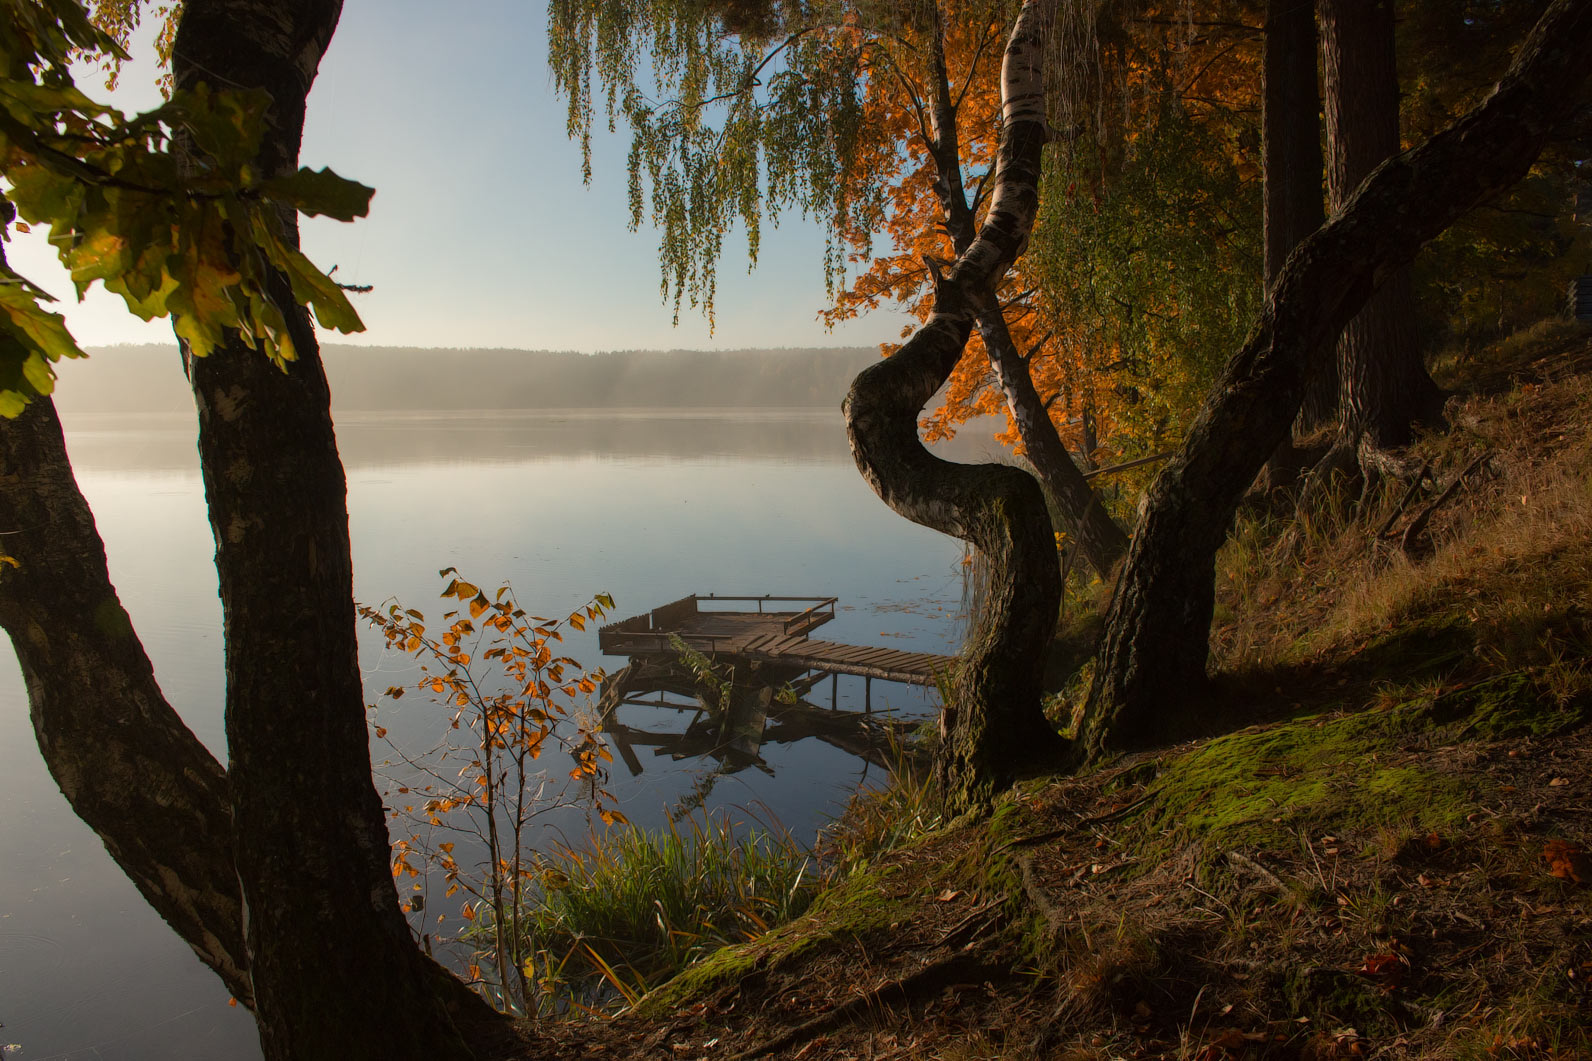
652	630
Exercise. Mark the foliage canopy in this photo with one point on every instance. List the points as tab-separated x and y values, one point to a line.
167	209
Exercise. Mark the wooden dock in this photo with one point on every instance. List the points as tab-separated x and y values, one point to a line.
774	633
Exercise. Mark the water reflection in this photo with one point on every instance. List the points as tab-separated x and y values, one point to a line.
731	722
767	502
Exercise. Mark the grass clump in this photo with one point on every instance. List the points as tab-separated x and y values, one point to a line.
876	821
632	907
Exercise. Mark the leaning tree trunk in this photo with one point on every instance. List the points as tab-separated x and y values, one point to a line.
1151	664
1383	386
336	973
993	729
124	760
1291	129
1100	539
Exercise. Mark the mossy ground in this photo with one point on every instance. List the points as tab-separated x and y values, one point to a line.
1379	851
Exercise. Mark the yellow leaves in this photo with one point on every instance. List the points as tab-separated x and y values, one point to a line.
478	604
467	911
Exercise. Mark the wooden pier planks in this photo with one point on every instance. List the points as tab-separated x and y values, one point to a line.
890	664
766	637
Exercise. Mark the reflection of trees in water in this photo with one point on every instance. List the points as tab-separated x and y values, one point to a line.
731	722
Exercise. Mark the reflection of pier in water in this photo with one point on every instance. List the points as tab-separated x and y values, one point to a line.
765	664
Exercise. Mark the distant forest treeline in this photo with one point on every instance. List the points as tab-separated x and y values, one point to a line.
147	379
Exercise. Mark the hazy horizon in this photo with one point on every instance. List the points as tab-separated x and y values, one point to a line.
147	378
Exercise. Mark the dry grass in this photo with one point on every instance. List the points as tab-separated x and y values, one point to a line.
1510	555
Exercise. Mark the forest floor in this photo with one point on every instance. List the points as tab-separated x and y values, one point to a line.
1380	850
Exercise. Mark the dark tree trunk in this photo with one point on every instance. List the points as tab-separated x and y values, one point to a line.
1151	664
1291	129
1383	386
994	728
1101	541
123	759
1099	538
335	971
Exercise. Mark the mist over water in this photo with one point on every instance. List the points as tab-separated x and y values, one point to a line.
649	505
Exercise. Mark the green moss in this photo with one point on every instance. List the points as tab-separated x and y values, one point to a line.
1257	788
1334	998
1418	647
857	907
1508	705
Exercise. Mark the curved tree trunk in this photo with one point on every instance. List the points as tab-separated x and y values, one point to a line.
994	727
335	971
1383	386
1151	663
124	760
1100	539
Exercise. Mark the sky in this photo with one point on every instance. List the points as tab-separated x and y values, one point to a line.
481	233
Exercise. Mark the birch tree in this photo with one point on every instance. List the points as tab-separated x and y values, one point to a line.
773	118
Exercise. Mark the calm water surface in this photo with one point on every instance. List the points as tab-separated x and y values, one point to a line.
648	508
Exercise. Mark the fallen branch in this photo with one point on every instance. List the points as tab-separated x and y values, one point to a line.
1418	525
1257	869
1081	823
1125	465
1404	502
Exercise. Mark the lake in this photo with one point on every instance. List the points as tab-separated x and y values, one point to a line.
648	507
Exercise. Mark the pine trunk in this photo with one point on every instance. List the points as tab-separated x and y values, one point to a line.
1383	386
1291	130
1151	664
123	759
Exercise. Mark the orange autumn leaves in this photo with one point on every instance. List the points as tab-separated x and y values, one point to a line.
1073	322
498	671
1568	861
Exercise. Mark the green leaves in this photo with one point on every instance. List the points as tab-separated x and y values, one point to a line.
726	128
321	193
31	339
168	209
